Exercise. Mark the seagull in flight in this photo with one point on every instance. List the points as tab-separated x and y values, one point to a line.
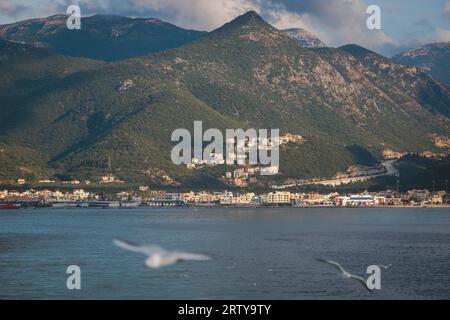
385	267
346	274
157	256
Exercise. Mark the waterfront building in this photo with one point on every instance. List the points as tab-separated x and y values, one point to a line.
438	198
279	197
419	195
204	197
245	198
175	196
355	200
394	201
80	194
188	196
380	200
226	198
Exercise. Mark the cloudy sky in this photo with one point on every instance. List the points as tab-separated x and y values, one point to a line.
405	23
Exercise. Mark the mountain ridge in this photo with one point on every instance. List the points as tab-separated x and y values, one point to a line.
101	37
433	58
247	74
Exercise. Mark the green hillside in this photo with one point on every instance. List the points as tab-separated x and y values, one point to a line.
349	104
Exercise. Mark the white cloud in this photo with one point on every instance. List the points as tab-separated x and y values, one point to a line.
195	14
336	22
442	35
437	35
200	14
283	19
12	10
447	9
8	7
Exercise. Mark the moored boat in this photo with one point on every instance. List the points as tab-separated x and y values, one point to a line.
6	206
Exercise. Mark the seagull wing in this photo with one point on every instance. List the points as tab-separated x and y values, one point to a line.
362	281
335	264
131	246
190	256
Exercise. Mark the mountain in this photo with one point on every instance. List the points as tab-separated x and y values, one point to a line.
403	82
67	115
305	38
433	58
102	37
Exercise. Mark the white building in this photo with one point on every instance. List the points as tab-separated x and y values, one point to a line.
279	197
356	200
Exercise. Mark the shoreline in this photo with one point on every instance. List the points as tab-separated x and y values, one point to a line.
239	207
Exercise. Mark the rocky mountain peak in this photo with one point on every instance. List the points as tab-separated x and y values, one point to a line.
249	20
305	38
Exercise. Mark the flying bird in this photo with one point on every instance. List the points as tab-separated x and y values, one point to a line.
385	267
346	274
157	256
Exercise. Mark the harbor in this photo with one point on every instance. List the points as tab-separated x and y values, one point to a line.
79	198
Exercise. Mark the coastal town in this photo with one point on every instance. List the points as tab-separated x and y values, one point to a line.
79	193
75	194
147	198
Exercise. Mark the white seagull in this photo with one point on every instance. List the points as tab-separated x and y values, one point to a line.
346	274
157	256
385	267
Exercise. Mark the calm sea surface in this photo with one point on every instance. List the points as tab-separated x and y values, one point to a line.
258	253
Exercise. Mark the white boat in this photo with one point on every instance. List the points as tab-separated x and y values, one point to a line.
130	203
104	204
69	204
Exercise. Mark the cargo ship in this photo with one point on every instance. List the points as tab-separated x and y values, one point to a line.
6	206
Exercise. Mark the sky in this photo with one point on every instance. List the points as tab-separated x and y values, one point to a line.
404	23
